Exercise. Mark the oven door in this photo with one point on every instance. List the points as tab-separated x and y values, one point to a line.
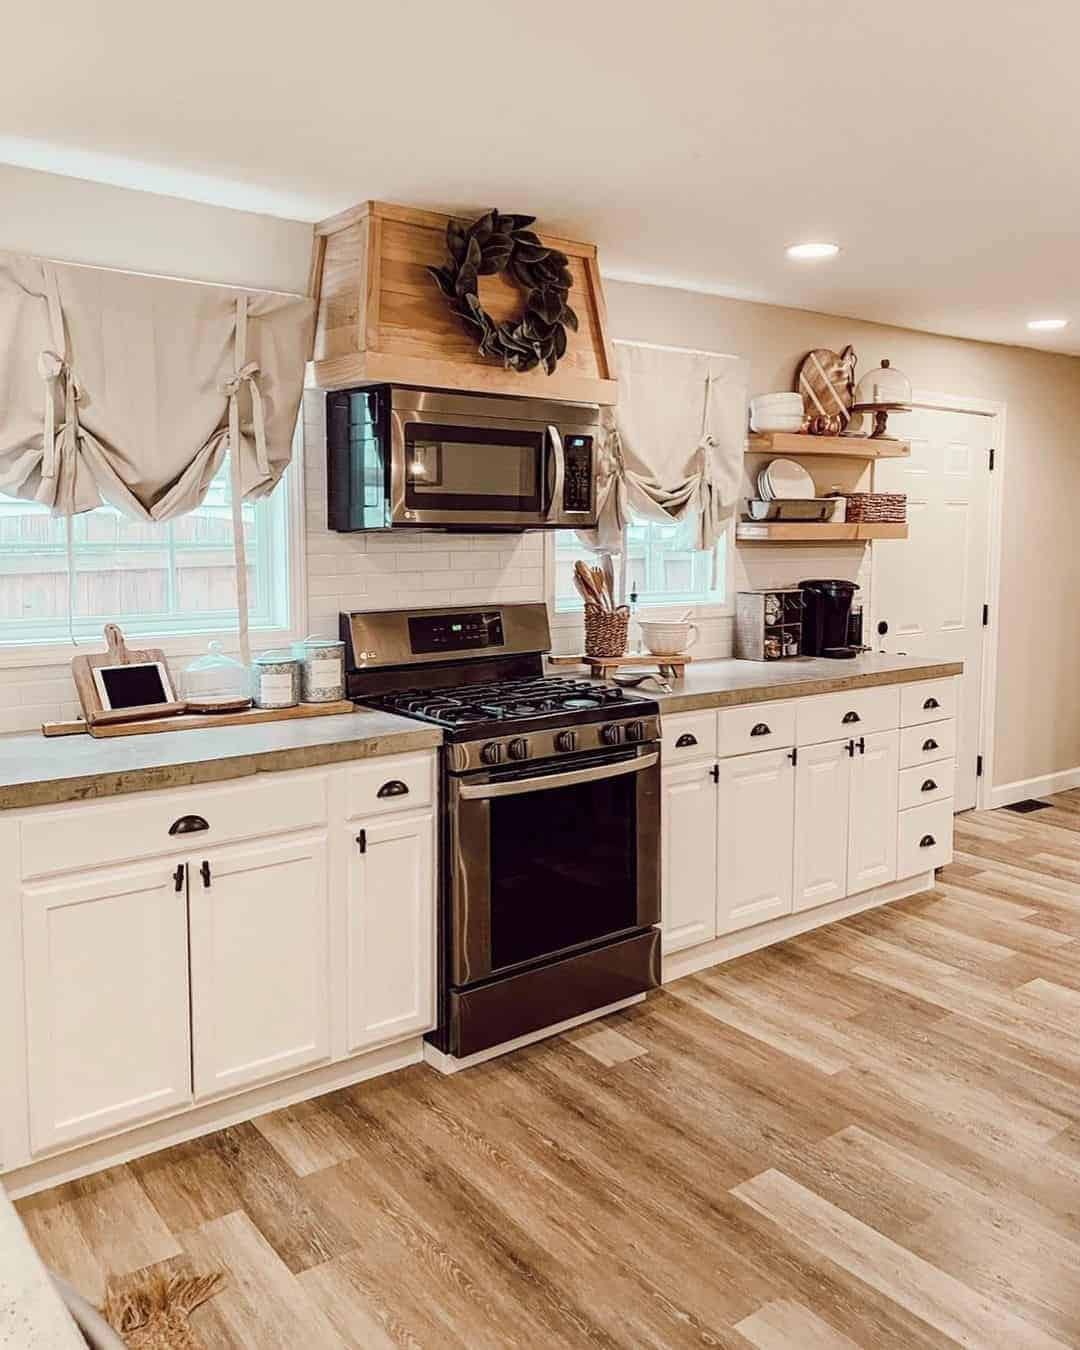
546	861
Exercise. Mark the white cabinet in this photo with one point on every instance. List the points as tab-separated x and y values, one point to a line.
755	814
106	972
688	855
259	971
874	801
821	824
390	943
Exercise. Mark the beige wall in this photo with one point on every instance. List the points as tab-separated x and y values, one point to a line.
1038	692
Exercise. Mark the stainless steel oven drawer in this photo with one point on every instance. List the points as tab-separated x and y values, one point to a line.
531	1000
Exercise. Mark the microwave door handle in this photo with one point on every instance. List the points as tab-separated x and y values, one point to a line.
511	787
554	508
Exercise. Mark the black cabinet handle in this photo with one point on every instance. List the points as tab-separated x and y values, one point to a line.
714	773
394	788
793	755
929	786
760	729
188	825
927	841
178	877
931	744
850	717
686	739
850	748
861	743
204	872
931	703
361	840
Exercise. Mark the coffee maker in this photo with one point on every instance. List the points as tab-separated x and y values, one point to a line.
826	614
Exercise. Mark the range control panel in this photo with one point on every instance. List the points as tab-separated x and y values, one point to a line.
456	632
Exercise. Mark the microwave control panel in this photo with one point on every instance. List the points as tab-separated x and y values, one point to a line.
577	490
430	633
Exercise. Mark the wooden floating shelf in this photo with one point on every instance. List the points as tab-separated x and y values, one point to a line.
851	447
807	532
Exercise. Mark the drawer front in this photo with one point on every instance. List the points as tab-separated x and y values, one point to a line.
929	783
925	838
758	726
396	783
928	701
138	826
855	712
925	745
688	736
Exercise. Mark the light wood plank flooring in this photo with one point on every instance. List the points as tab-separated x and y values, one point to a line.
868	1136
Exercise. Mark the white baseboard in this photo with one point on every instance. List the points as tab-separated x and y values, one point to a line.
190	1124
692	959
448	1064
1007	793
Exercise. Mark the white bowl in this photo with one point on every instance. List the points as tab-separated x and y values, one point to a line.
768	420
790	403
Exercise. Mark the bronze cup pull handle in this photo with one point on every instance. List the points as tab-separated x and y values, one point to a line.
850	717
931	703
393	788
927	841
761	729
929	786
189	825
685	740
930	744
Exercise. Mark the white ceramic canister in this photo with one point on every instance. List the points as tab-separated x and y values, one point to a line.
276	682
322	669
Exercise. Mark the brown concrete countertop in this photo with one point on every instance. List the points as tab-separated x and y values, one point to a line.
36	770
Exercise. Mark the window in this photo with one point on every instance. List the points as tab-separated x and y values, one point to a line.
662	566
176	577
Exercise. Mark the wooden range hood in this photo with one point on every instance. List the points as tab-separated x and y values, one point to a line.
382	318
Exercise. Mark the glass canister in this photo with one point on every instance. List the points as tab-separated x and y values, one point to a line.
322	669
215	681
276	679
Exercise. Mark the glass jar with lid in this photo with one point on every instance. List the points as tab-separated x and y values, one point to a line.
215	682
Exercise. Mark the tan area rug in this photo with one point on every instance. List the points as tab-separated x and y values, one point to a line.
153	1315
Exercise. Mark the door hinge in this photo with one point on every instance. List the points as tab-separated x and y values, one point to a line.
978	766
986	616
992	453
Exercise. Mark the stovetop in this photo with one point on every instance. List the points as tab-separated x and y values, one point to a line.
487	707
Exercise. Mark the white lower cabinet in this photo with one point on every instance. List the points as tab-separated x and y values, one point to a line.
688	855
755	826
390	985
106	972
259	970
821	824
874	801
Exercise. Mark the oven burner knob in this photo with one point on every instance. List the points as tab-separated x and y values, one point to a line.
566	740
518	748
612	734
635	731
491	753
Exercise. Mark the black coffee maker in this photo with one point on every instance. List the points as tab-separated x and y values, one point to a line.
826	612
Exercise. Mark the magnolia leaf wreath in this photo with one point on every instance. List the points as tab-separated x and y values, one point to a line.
500	243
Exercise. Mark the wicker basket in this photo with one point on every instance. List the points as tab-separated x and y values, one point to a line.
877	508
605	632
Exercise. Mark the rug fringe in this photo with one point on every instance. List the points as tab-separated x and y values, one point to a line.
128	1310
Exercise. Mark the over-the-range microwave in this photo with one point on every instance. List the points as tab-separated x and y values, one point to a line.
416	458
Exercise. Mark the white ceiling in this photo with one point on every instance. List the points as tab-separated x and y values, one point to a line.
935	140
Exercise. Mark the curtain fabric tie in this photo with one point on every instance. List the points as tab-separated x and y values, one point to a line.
58	460
231	389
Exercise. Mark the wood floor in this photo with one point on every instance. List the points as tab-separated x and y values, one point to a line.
868	1136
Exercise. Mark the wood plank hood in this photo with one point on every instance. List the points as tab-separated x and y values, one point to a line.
382	318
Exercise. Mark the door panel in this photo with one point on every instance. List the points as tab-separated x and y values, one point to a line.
756	814
872	813
931	588
688	854
822	783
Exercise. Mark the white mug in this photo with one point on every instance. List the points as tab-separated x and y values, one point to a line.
666	638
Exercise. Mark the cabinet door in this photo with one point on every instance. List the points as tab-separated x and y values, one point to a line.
390	984
755	835
822	783
259	969
872	813
106	965
688	855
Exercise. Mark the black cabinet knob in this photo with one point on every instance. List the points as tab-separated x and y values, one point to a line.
394	788
882	628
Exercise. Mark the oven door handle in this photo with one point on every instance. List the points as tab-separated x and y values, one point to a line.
554	506
472	792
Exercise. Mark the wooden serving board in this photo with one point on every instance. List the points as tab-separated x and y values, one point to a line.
198	721
603	667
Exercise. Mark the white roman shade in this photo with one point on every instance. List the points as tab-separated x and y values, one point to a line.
130	389
675	442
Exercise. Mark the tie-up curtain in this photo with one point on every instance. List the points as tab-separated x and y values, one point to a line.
674	444
130	389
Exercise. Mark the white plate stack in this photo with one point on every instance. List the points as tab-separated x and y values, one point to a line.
784	480
776	412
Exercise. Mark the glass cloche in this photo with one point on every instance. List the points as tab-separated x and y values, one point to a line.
882	391
215	682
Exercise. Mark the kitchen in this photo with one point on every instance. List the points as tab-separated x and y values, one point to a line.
515	1003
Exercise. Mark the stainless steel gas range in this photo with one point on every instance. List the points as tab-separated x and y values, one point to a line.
550	818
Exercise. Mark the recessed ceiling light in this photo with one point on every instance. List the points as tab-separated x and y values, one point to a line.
1047	325
813	250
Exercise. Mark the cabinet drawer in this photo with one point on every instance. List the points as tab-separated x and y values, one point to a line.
397	783
928	701
133	827
758	726
688	736
925	745
929	783
855	712
925	838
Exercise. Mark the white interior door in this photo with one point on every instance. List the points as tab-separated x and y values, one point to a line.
931	588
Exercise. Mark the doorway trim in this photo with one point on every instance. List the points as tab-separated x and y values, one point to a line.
998	413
